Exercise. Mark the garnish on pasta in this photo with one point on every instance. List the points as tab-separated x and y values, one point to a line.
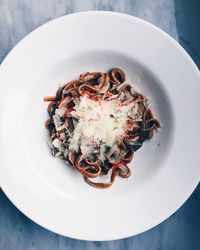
97	122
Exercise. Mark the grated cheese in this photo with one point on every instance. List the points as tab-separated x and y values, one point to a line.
99	123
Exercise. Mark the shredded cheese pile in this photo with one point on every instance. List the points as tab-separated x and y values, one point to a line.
100	123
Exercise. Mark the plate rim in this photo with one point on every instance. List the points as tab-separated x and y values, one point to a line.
171	40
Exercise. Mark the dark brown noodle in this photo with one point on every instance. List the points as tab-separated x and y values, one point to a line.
98	85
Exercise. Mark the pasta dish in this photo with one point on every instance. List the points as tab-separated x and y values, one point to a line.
97	122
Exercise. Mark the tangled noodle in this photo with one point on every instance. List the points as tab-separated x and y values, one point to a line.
99	86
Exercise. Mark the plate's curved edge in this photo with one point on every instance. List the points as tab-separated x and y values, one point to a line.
73	15
172	41
46	227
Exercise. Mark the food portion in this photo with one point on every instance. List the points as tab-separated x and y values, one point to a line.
96	124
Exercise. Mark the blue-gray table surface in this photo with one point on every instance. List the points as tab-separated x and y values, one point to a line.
180	19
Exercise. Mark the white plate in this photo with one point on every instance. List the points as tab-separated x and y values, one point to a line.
163	177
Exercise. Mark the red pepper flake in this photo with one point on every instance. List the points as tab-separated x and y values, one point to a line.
91	96
109	94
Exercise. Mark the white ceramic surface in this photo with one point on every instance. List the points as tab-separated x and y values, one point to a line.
56	196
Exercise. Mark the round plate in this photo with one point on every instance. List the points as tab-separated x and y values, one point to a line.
164	170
